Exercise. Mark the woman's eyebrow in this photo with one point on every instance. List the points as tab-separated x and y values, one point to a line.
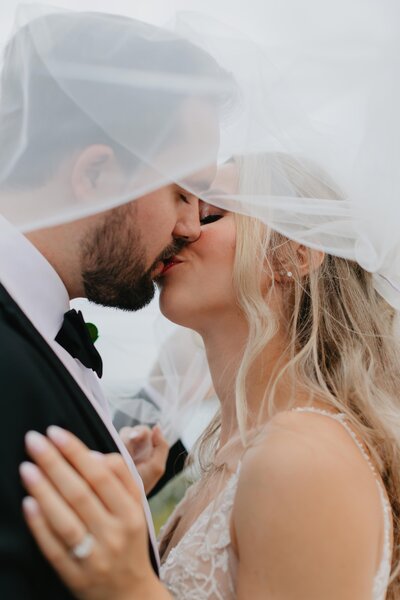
184	190
210	205
199	186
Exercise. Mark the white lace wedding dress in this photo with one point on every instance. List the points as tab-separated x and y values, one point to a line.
202	566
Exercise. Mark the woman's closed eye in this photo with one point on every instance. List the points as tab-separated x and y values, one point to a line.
210	219
210	214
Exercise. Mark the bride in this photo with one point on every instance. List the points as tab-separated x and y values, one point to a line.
300	491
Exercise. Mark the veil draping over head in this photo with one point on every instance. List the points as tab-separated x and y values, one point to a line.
70	80
318	130
309	83
303	94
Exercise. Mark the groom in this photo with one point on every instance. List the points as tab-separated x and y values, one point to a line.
49	369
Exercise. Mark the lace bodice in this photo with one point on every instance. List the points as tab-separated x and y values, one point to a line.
202	566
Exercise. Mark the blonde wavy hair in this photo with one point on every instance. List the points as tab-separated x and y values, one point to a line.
342	343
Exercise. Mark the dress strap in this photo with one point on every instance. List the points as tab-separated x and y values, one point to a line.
384	568
341	418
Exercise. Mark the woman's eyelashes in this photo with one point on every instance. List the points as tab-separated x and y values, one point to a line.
210	219
209	213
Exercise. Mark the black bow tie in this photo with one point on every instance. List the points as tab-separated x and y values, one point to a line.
75	338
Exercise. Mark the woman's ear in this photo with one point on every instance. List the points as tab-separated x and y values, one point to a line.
93	172
309	259
299	261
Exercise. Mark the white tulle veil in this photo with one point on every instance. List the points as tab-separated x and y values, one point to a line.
313	82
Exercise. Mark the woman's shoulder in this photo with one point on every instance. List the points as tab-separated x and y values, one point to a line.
315	443
306	481
307	504
307	499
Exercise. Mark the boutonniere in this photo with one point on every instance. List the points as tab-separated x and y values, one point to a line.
93	331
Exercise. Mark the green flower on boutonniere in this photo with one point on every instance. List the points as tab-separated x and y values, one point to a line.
93	331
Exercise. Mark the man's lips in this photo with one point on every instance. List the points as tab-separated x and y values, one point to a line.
157	270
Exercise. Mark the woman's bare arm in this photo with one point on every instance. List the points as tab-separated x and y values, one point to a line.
307	516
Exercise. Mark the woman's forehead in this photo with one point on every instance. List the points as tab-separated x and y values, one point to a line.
227	179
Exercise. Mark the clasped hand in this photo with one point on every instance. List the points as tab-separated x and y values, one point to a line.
74	492
149	451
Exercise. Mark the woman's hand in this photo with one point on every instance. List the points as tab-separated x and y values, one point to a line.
85	513
149	450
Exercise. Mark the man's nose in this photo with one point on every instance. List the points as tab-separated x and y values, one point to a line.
188	225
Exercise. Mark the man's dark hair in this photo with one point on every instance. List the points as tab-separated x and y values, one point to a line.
31	89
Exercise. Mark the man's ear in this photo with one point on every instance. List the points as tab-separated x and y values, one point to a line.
93	172
298	262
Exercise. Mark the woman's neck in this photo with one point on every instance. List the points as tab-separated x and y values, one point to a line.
224	355
225	343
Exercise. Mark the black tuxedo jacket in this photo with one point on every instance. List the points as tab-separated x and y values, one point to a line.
36	391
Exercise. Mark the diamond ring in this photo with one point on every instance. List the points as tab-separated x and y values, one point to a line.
84	548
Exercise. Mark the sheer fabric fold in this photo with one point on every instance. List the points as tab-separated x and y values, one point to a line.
313	93
303	95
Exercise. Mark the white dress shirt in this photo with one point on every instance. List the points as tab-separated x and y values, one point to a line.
40	293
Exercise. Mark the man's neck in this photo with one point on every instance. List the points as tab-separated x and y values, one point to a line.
52	243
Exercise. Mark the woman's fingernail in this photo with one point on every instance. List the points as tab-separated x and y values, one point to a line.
57	435
30	473
134	435
97	455
36	442
30	506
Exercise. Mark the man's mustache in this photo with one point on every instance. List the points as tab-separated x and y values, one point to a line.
169	252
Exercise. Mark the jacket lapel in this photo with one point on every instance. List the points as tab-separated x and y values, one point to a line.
14	315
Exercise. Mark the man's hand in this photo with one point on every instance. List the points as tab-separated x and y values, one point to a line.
149	450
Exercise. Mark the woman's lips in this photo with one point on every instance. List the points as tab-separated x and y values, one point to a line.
169	264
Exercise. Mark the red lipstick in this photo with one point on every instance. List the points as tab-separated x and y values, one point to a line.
169	263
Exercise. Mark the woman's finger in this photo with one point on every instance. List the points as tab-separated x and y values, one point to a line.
118	466
161	449
138	442
94	471
60	517
70	485
158	439
111	532
153	469
52	548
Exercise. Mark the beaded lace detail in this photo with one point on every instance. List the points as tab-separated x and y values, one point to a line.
203	565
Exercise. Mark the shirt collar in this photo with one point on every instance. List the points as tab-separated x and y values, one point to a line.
31	281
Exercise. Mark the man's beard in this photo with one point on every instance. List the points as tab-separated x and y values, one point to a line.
114	270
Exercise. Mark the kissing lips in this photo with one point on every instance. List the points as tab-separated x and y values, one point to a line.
169	263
